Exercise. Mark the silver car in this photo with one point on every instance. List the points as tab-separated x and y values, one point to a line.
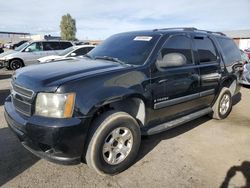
69	53
29	52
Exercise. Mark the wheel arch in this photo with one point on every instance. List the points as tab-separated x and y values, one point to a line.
132	104
16	58
229	82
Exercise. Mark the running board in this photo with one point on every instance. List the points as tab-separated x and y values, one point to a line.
174	123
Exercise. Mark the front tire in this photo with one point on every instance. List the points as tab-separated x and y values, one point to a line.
223	104
113	143
15	64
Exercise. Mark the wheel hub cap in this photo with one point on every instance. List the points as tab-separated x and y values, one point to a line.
224	104
117	145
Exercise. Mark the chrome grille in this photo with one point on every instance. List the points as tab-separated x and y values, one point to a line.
22	99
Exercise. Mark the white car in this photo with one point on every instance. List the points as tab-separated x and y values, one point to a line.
69	53
29	52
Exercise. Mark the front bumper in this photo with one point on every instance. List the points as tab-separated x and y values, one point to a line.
3	63
57	140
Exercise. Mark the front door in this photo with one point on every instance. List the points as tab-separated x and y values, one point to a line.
33	52
175	86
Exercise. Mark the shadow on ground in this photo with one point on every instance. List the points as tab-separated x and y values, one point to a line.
236	98
5	76
3	95
244	168
14	159
150	142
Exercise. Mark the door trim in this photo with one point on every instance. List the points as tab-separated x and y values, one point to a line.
183	99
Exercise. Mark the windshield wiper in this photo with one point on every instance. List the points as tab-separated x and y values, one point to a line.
112	59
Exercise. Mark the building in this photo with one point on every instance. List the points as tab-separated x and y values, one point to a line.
241	38
6	37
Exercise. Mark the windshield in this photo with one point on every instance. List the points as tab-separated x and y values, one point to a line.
66	51
130	48
22	46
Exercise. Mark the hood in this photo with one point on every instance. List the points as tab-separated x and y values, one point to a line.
49	76
49	58
9	52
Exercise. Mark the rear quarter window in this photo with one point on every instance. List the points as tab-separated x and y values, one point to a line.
231	52
65	45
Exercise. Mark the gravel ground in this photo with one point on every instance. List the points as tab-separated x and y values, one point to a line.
202	153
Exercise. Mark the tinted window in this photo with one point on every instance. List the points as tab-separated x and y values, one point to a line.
131	48
47	46
206	49
82	51
35	47
180	45
65	45
230	50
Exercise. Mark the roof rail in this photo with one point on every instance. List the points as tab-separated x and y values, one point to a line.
211	32
191	29
178	28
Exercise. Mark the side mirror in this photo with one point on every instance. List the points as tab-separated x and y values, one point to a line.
73	54
27	50
172	60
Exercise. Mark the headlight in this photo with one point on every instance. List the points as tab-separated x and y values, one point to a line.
55	105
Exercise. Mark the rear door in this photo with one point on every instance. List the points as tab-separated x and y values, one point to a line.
51	48
208	61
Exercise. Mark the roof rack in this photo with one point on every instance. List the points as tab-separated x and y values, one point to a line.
191	29
178	28
211	32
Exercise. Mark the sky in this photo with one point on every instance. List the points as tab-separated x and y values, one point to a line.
98	19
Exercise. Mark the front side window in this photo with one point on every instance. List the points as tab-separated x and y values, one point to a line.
34	47
206	49
176	52
131	48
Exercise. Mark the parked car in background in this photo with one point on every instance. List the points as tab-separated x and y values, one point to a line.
71	52
1	51
248	52
244	57
18	44
29	52
81	43
97	107
7	45
245	78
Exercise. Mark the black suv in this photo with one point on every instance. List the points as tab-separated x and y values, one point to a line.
95	109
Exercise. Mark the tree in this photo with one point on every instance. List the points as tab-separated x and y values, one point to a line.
68	27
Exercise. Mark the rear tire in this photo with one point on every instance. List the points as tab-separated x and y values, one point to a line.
223	104
114	142
15	64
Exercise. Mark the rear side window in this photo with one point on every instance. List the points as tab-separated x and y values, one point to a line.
82	51
178	44
230	50
206	50
65	45
48	46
